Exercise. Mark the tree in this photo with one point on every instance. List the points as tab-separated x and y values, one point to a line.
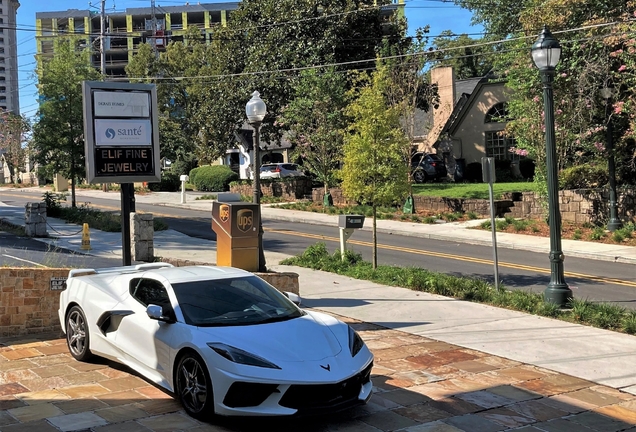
374	172
266	41
592	58
58	134
12	130
315	120
469	57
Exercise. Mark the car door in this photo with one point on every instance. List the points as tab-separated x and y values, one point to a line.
146	341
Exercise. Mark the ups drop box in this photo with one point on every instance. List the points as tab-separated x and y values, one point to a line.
236	227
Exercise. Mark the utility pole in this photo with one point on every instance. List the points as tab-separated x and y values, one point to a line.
102	39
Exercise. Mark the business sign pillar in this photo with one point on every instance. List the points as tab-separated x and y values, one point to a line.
121	141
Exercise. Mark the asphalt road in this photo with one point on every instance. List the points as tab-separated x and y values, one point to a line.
596	280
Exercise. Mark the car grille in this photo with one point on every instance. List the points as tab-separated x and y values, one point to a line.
324	396
243	394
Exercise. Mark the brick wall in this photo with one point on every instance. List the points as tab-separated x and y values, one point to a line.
289	189
27	303
580	206
29	306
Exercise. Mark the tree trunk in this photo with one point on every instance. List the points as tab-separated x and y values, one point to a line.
375	238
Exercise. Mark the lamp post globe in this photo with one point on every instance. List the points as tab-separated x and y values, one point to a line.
255	110
614	222
546	52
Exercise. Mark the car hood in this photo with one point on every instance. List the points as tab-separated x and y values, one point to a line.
306	338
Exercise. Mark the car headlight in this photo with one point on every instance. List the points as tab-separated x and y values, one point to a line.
239	356
355	342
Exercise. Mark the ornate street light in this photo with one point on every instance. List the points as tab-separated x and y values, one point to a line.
546	53
255	109
614	222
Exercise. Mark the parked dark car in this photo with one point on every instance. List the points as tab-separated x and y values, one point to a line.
427	166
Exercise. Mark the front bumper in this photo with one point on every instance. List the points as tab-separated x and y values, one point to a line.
270	399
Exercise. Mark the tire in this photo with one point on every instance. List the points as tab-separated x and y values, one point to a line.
419	176
194	387
77	335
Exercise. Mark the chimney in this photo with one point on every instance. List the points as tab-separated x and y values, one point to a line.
444	77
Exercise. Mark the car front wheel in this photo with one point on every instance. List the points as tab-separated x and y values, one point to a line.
77	335
194	387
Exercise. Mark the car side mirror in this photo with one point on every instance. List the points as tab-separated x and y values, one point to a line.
155	312
295	298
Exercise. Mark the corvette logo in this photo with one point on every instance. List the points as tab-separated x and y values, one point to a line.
244	219
327	368
224	213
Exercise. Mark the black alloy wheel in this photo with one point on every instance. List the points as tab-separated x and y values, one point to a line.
194	387
419	176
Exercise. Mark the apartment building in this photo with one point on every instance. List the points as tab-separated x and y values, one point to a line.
9	94
125	31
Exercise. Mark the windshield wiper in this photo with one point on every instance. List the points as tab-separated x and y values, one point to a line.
277	319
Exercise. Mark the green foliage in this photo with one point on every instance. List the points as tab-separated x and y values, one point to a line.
214	178
58	133
53	203
469	57
584	176
170	182
315	120
206	197
472	215
581	310
598	233
470	190
622	234
577	235
629	322
608	316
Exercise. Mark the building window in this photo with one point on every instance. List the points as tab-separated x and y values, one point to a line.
497	114
498	146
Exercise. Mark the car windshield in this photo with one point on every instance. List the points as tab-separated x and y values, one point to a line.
233	302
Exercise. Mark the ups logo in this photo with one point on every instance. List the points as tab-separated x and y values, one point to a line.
245	220
224	213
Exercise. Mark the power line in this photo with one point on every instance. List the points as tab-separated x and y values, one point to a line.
353	62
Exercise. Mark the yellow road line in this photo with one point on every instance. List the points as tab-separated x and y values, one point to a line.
456	257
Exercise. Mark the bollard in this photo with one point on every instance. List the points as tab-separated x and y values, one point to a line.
86	238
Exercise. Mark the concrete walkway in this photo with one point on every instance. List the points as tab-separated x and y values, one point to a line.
600	356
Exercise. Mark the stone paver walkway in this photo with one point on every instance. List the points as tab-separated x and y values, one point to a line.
421	385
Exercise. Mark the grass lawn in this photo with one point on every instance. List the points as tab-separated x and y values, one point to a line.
469	190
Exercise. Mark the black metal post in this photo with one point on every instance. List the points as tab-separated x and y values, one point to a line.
256	199
614	222
558	291
125	223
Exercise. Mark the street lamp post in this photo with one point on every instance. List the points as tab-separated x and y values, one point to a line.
546	52
255	109
614	222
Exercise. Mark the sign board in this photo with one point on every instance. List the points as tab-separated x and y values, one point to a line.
488	169
121	104
58	283
122	132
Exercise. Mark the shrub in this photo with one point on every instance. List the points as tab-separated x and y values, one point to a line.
473	172
193	174
472	215
54	203
181	166
583	176
597	234
526	167
169	182
214	178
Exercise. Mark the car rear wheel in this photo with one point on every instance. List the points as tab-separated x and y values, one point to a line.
419	176
194	387
77	335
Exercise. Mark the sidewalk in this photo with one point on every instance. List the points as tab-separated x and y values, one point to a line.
600	356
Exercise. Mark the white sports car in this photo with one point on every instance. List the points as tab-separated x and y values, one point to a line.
222	340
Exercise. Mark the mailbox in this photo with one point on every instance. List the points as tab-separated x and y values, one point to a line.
347	223
184	177
236	227
351	221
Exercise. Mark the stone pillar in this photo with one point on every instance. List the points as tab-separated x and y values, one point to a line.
142	234
35	219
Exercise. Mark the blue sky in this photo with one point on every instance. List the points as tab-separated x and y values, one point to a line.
440	16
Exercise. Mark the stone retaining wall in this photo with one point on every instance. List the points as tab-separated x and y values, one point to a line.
28	305
290	189
580	206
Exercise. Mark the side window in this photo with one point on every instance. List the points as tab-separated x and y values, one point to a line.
150	291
